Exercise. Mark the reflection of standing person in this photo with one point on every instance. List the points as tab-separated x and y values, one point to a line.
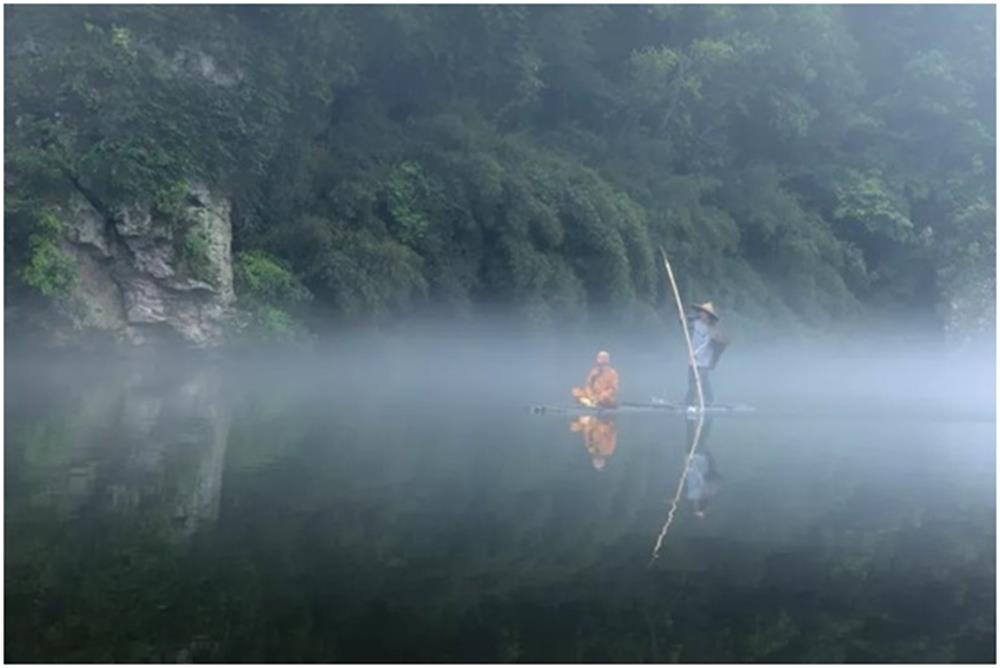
707	343
599	437
703	479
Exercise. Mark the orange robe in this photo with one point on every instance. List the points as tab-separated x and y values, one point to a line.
601	388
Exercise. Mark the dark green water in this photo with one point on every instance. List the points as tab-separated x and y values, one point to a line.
212	513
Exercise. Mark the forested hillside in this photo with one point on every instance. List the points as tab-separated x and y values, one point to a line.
800	164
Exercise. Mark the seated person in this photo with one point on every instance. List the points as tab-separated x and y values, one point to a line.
601	389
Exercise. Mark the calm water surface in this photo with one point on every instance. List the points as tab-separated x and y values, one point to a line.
206	512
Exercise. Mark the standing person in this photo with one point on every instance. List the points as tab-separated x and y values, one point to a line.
708	342
601	388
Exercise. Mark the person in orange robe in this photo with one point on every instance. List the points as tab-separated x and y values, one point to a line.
601	389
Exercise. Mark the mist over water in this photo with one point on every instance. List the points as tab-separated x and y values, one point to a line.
437	216
392	498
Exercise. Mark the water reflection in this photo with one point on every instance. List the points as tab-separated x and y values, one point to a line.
600	437
163	514
698	468
703	478
144	443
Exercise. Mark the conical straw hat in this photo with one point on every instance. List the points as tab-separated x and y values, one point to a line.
707	308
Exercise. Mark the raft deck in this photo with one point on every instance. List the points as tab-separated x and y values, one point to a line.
629	407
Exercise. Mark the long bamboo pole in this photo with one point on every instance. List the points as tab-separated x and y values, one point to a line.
684	328
701	414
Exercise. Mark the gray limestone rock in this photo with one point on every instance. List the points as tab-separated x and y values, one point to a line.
132	281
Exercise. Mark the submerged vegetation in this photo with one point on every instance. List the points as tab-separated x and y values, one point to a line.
802	164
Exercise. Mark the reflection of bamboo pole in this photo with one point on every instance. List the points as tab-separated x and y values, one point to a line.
680	487
701	413
684	327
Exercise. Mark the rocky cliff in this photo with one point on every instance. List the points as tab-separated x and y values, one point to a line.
146	277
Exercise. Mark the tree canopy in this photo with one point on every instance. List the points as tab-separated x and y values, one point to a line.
799	163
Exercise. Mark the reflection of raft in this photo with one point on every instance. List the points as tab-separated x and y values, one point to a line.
652	407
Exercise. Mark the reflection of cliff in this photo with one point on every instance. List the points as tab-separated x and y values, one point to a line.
178	431
146	444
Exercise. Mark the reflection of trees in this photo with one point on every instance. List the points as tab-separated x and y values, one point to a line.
136	438
841	592
149	442
108	469
407	537
350	531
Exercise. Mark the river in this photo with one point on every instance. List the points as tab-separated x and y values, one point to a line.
212	510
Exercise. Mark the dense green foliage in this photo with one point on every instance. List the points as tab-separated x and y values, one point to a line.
194	254
267	291
49	270
799	163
